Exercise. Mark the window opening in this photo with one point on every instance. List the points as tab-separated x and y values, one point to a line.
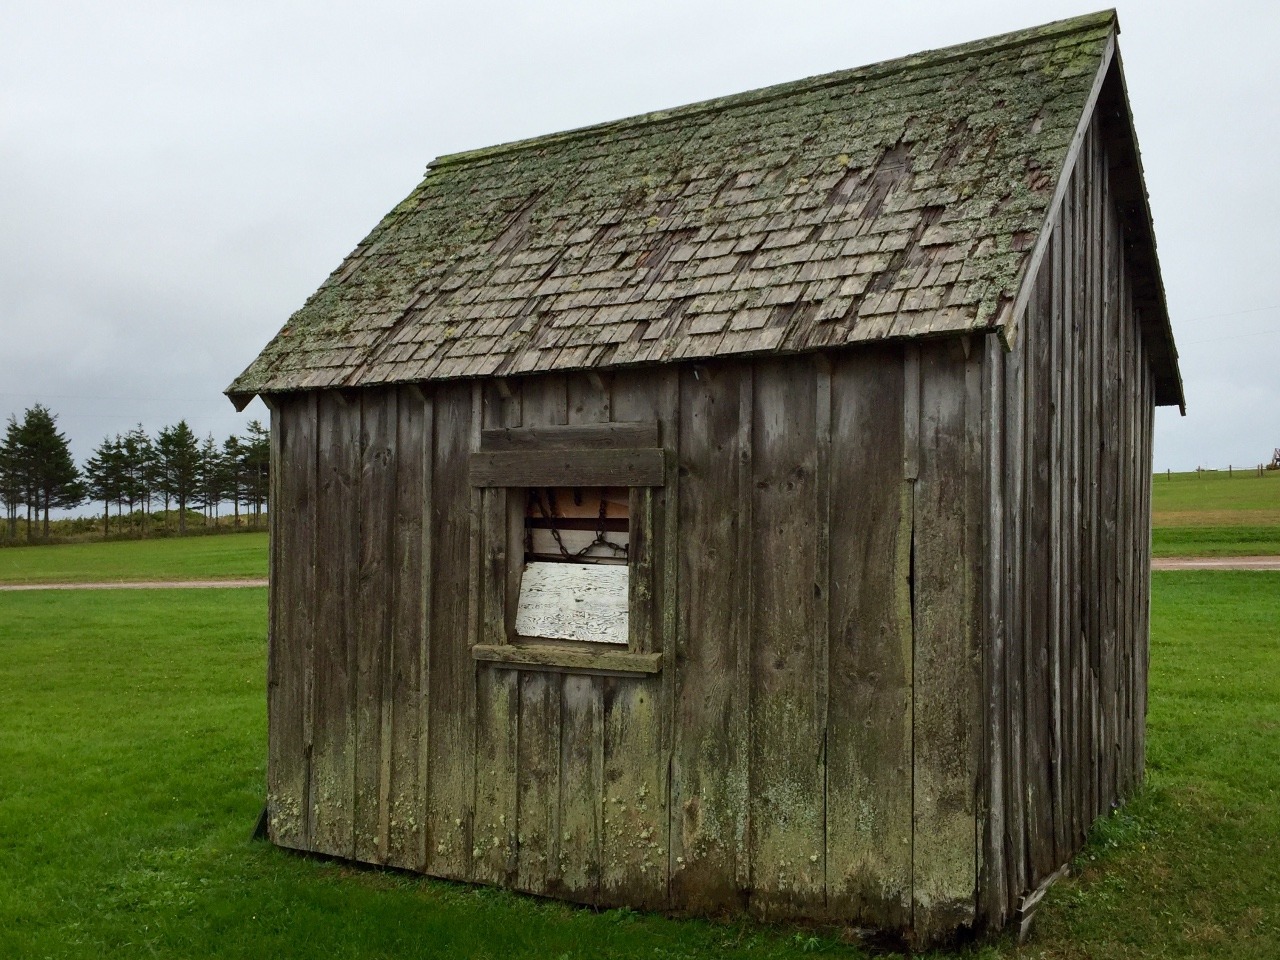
575	583
577	524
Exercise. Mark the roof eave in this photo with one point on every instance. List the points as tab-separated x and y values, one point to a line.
239	398
1109	99
1130	185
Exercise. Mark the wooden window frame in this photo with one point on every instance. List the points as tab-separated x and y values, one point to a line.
513	459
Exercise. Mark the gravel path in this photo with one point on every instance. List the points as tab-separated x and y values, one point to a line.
136	585
1215	563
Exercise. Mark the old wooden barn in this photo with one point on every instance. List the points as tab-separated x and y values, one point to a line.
739	506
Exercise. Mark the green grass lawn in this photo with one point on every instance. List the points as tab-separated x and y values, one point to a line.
1208	541
1216	514
132	734
223	557
1192	868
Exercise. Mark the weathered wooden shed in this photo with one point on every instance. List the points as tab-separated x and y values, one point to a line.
739	506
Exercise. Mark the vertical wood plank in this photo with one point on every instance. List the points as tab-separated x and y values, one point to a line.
868	761
1088	303
371	624
1072	587
822	558
406	798
292	593
337	556
742	708
644	616
707	782
494	839
1131	385
947	662
1083	307
993	878
1124	533
787	775
1015	645
668	561
974	508
1105	543
451	674
1144	645
538	783
1098	250
1058	417
577	870
1036	598
1125	574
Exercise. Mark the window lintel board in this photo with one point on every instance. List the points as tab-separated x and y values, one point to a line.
638	467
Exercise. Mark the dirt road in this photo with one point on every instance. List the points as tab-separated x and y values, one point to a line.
1215	563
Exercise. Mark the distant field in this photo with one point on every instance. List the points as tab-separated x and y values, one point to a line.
1216	514
132	744
225	557
1207	514
1213	491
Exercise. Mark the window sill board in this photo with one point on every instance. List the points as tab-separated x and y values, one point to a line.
568	660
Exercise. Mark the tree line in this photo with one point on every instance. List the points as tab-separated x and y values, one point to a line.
132	472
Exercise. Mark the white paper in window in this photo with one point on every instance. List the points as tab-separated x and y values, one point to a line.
573	601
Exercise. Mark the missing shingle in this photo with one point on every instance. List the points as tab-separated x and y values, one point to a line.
957	137
910	255
893	168
515	234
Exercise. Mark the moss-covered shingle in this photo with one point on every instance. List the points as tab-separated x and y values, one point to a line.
894	201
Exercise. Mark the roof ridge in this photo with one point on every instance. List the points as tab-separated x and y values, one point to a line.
941	55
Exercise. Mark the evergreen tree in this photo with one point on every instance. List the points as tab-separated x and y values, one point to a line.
11	476
106	475
139	458
52	479
179	467
257	460
233	462
210	485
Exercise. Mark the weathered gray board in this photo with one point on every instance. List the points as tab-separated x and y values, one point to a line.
586	602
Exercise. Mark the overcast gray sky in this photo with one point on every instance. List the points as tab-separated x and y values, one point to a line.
176	178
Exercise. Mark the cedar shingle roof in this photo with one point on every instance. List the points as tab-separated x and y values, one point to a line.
894	201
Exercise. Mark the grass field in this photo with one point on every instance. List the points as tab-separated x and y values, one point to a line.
1216	514
131	771
225	557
